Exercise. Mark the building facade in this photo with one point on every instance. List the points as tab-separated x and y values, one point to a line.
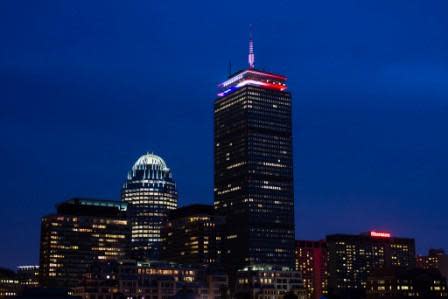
81	232
151	193
273	282
351	258
253	169
311	262
190	236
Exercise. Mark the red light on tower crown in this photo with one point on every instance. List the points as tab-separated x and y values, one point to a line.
375	234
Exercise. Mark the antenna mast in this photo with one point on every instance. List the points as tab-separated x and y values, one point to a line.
251	57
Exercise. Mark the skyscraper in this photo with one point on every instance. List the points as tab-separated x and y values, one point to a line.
253	168
150	192
81	232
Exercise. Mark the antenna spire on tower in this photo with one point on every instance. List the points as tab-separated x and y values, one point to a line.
251	57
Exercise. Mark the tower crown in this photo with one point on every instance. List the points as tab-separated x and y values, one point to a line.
252	77
150	159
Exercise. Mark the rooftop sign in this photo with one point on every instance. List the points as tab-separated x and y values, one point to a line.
376	234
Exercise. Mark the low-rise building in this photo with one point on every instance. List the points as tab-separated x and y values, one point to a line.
149	280
28	276
9	284
266	281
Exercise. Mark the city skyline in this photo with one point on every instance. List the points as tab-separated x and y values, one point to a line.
370	159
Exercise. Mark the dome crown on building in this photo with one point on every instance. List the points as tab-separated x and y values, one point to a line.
149	159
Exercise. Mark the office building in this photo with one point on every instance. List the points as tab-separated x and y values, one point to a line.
351	258
311	262
254	169
264	281
436	259
150	192
81	231
400	283
28	276
190	236
153	280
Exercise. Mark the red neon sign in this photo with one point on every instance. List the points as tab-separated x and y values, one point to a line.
380	234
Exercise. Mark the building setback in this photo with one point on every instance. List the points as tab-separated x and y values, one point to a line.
253	173
151	193
311	261
351	258
190	236
80	232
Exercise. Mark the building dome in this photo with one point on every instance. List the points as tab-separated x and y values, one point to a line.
149	169
151	161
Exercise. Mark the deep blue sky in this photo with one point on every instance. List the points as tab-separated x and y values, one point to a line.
88	86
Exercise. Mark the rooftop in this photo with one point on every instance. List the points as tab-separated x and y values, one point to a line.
91	207
150	159
252	77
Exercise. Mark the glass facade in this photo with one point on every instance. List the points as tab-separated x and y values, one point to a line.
254	169
150	192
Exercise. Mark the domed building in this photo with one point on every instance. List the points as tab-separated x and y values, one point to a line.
150	192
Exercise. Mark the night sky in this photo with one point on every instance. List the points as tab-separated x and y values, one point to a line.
86	87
